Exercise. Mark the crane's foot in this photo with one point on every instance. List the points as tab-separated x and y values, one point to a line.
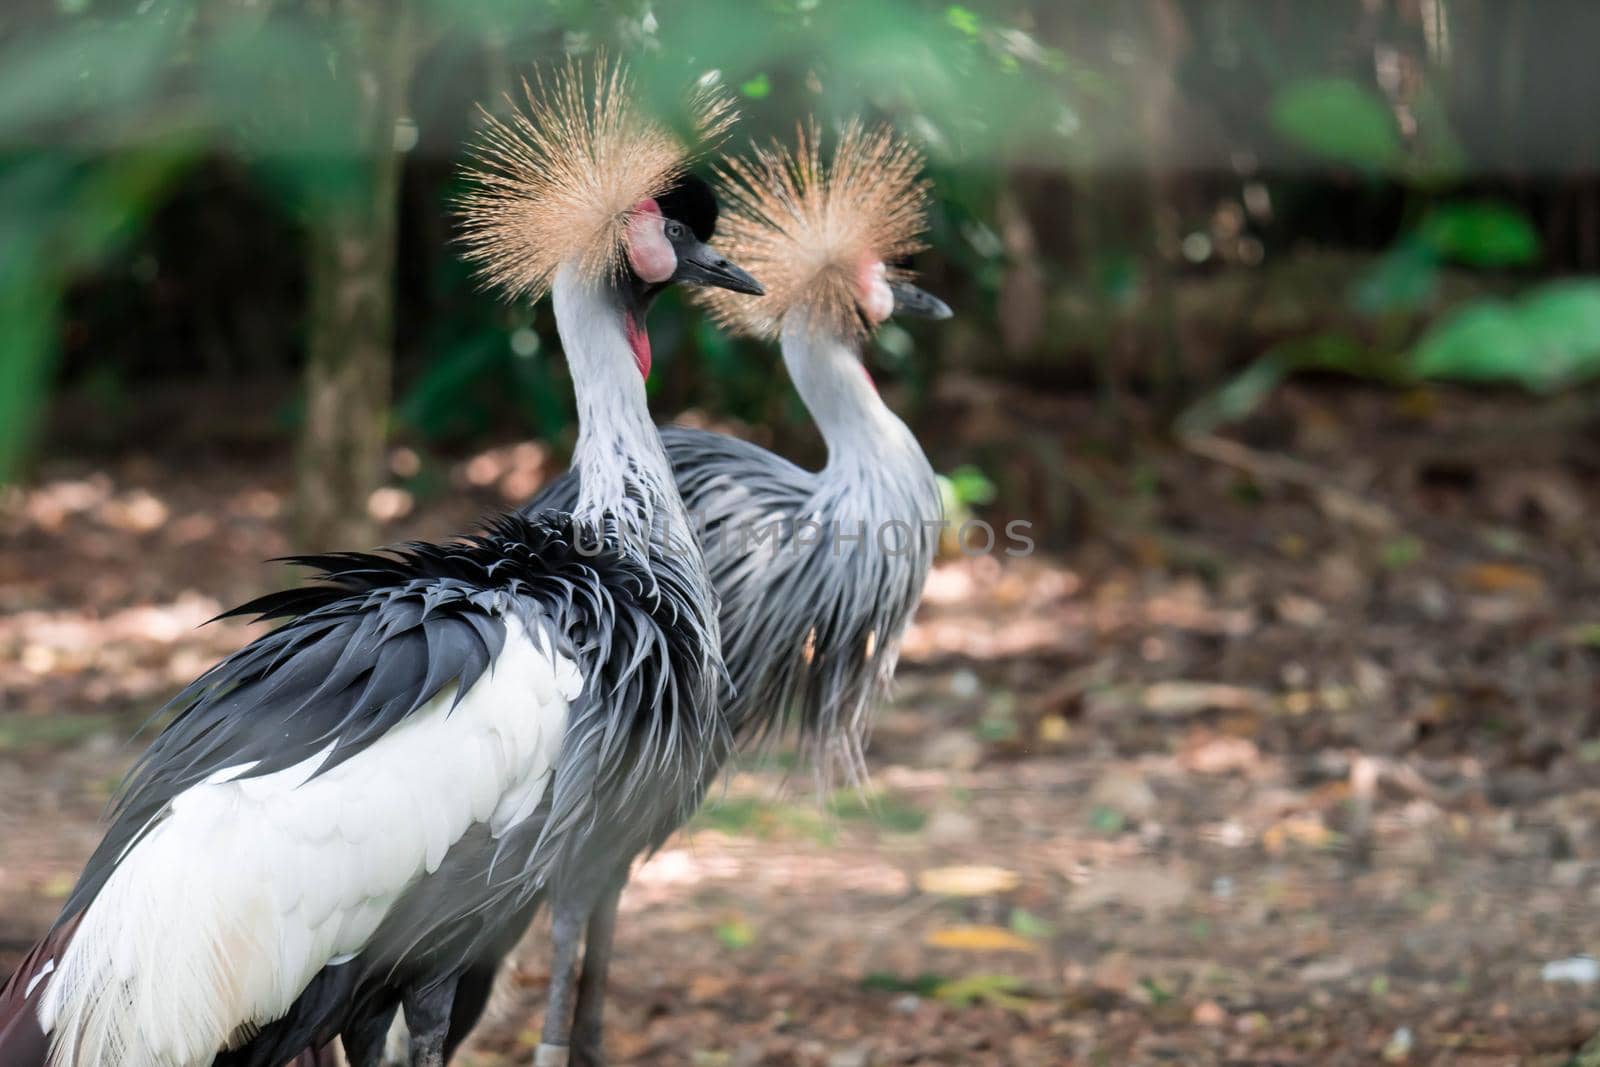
552	1056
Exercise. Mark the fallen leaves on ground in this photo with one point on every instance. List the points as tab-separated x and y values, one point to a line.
967	881
1232	781
978	939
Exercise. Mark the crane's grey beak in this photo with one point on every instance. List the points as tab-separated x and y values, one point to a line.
700	264
918	303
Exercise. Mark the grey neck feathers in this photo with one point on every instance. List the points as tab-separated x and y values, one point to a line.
857	596
868	445
623	470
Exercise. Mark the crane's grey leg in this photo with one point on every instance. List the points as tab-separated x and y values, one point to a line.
566	931
428	1018
473	990
364	1039
587	1026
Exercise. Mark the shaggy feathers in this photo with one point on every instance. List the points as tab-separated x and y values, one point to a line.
820	664
557	182
805	227
228	879
811	665
635	734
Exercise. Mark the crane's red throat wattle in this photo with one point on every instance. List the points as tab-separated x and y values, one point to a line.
638	340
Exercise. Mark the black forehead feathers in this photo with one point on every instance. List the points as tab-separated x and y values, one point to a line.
692	203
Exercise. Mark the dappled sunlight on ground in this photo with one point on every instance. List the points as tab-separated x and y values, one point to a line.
1242	781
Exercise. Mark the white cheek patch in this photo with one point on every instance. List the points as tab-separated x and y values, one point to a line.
650	254
877	299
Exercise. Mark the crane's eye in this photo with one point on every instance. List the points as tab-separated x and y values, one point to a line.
674	230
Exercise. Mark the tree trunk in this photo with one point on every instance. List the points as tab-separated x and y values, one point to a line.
1159	105
352	276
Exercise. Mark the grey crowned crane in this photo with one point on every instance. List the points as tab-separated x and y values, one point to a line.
319	795
818	571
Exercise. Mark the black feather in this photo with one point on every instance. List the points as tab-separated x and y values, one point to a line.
692	203
383	634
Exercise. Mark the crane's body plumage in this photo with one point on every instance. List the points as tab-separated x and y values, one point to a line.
855	542
321	791
419	708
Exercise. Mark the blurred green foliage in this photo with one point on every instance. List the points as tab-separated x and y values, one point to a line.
1083	156
1482	234
1543	342
1547	339
1340	120
100	87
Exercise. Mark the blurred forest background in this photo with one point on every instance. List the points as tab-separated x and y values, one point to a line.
1179	203
1278	318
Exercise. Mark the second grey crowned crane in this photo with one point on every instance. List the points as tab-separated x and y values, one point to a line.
818	571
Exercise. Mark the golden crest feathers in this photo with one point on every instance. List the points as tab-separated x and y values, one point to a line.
557	179
808	229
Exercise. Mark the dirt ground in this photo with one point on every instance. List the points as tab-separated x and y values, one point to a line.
1289	756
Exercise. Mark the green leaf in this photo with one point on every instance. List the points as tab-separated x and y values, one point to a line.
1158	993
925	984
998	729
1548	339
1404	279
1338	119
1028	924
962	19
1483	234
1236	399
1241	396
1399	553
1001	990
970	486
1480	342
1108	821
59	217
886	810
736	933
1118	276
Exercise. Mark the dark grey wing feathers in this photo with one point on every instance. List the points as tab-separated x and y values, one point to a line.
376	641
